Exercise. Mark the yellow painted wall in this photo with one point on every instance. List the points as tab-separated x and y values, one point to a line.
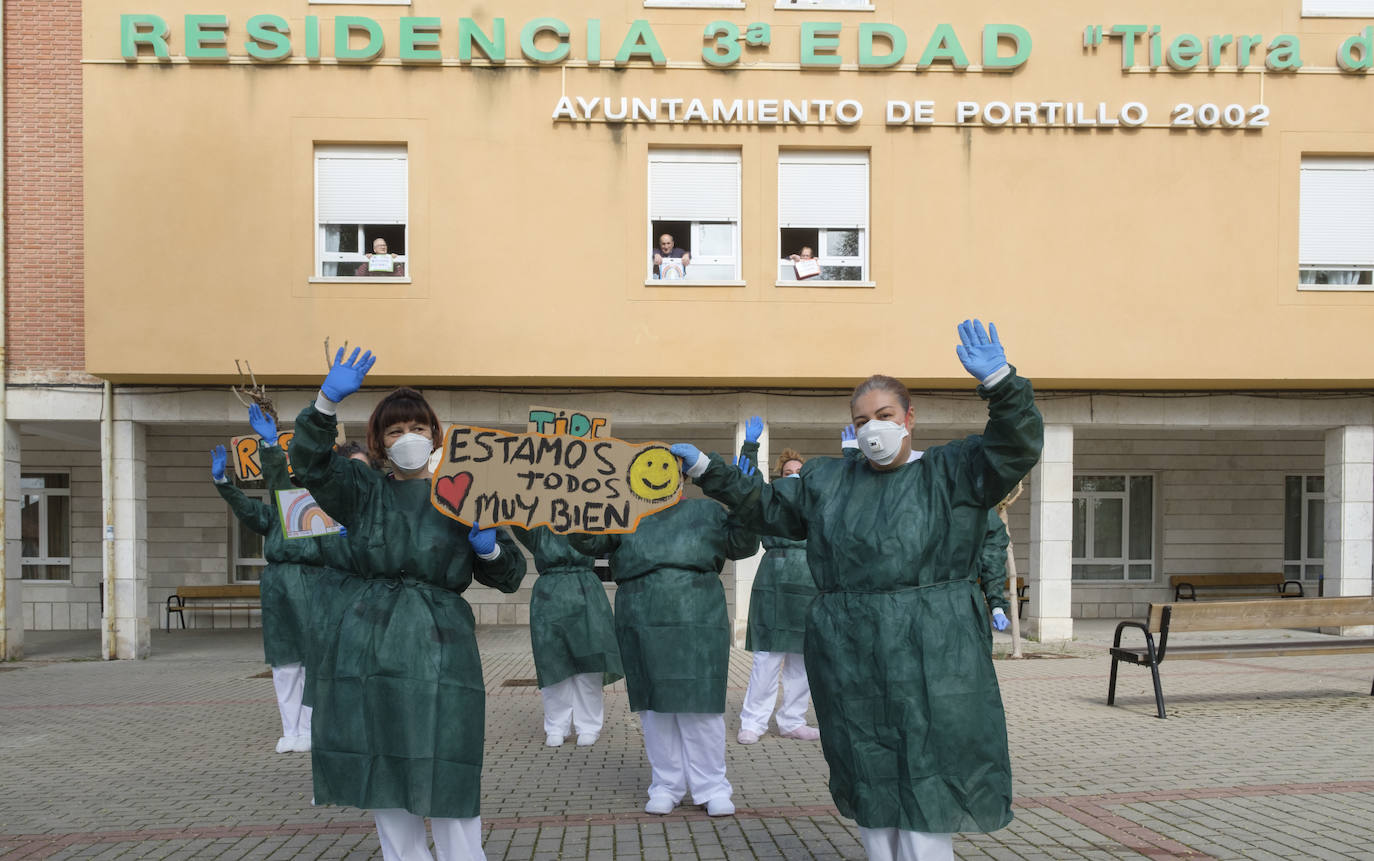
1110	259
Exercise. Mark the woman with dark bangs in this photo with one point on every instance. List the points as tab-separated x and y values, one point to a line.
400	677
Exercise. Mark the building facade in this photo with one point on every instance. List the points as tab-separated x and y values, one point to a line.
1169	215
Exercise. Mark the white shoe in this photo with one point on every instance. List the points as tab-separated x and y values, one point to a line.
300	743
720	807
803	732
284	745
554	740
661	805
587	739
747	737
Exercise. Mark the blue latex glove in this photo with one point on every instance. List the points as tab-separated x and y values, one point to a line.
688	452
343	531
218	458
262	424
999	619
753	429
849	438
482	540
979	350
346	377
745	465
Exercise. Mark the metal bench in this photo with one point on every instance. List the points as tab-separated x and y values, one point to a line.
1241	616
1235	586
244	596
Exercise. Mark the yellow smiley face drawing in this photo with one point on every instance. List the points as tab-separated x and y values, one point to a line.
654	474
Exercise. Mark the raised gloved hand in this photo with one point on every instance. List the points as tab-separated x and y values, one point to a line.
999	619
753	429
688	452
218	458
483	541
346	377
262	424
849	438
980	351
745	465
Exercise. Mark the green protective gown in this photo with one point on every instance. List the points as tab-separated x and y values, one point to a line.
901	676
992	563
571	629
400	680
670	614
783	590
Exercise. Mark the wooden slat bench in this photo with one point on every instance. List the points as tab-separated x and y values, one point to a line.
1235	586
233	596
1241	616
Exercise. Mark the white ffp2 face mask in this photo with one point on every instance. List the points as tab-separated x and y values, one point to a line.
410	452
881	441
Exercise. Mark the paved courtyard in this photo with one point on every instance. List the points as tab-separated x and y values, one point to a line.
172	758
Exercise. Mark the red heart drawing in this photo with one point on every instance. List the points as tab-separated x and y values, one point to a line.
453	489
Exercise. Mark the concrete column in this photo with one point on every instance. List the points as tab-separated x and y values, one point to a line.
1349	527
12	619
1050	614
130	604
746	569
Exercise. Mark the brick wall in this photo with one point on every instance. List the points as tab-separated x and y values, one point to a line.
44	255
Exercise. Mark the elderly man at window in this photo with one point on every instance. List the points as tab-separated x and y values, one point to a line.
380	262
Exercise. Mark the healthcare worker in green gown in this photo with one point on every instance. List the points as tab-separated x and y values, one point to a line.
783	590
287	583
906	696
401	680
674	634
992	570
572	636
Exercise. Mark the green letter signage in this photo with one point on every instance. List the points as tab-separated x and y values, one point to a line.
269	38
344	52
533	52
150	30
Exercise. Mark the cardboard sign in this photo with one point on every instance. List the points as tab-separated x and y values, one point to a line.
381	263
559	421
566	483
807	267
244	452
302	517
671	269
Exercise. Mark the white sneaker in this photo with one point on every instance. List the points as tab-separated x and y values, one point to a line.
300	743
661	805
554	740
747	737
587	739
284	744
720	807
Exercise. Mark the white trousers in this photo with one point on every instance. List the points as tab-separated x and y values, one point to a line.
686	751
403	837
575	700
289	682
894	844
762	692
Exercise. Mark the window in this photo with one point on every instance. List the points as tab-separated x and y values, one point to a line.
46	526
863	5
823	205
1304	516
1337	8
694	199
245	544
1336	224
361	202
1113	527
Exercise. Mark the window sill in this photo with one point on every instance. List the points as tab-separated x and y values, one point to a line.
821	5
1336	288
366	279
688	4
813	282
689	282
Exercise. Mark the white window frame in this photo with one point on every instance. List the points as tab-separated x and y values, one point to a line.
360	2
694	4
862	260
833	5
44	493
1089	521
689	156
322	256
1308	562
1337	8
236	526
1360	266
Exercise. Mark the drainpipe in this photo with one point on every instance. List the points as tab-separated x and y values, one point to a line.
109	648
4	370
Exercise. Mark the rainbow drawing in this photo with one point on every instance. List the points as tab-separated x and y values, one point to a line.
302	517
